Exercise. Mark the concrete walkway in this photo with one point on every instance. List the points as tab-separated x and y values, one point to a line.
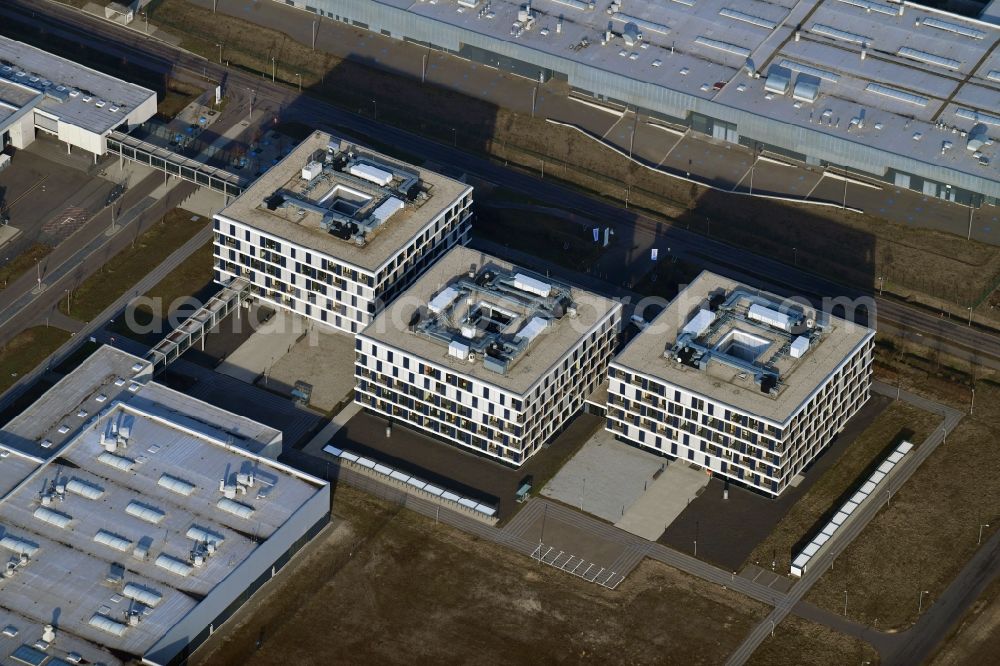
663	501
268	344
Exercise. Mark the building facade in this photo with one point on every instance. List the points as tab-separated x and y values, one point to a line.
868	86
491	358
740	383
335	231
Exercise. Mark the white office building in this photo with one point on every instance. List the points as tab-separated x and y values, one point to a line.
136	519
741	382
40	91
334	230
486	355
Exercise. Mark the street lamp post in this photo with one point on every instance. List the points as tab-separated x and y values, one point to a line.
454	136
970	315
274	68
845	603
219	44
973	402
981	526
299	78
374	109
881	283
920	601
145	18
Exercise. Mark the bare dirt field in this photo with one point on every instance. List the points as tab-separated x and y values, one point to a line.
391	587
797	641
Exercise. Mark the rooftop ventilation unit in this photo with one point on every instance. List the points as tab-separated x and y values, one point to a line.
311	170
19	546
57	518
236	508
810	70
888	10
118	462
769	316
533	329
173	565
799	346
929	58
458	350
112	540
806	89
777	81
142	594
843	35
370	173
723	46
747	18
176	485
440	303
84	489
105	623
699	323
897	94
201	535
642	24
144	512
576	4
978	116
531	285
956	28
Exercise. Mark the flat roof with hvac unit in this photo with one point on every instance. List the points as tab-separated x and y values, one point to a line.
345	201
489	319
743	347
152	515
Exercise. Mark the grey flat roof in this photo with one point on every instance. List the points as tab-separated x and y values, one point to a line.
171	434
723	383
390	326
701	43
108	375
21	63
304	231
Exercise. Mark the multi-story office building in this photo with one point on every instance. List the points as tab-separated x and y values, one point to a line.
741	382
333	230
905	93
486	355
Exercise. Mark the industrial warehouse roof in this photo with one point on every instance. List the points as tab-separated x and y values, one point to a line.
922	68
332	190
75	94
731	381
545	345
122	506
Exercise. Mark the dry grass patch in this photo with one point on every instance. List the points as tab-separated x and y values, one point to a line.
899	421
26	350
20	264
797	641
395	588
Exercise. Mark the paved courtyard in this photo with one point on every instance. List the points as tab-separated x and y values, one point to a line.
636	490
325	360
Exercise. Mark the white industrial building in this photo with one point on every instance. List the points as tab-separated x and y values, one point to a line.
902	92
137	519
40	91
486	355
334	230
741	382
